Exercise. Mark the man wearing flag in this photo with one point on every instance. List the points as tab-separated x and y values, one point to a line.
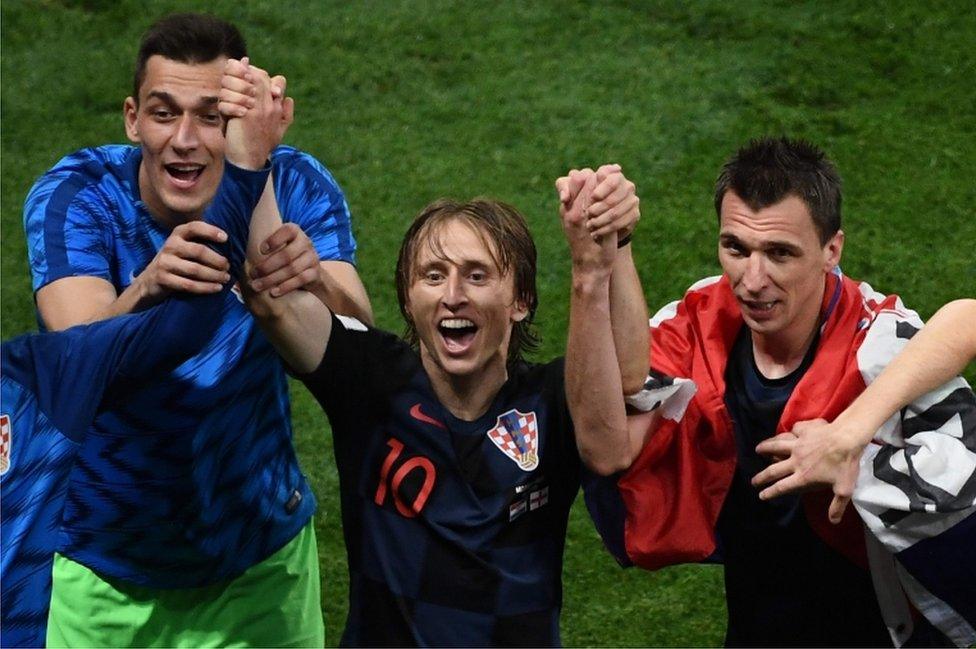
782	337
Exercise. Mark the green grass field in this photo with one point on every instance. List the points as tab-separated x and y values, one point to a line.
409	101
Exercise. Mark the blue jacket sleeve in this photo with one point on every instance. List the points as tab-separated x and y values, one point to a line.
231	209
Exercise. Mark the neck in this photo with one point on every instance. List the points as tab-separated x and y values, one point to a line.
779	354
468	396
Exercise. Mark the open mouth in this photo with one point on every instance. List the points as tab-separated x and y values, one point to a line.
759	307
184	174
457	333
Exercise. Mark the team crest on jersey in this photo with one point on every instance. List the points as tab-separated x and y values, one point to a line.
517	436
4	443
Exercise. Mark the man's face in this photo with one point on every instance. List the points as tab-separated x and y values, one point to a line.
181	132
462	306
776	265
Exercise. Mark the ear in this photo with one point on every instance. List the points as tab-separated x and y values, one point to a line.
832	251
130	113
520	312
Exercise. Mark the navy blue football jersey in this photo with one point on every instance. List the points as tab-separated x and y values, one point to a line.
454	529
199	467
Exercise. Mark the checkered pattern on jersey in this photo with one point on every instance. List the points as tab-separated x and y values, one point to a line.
441	552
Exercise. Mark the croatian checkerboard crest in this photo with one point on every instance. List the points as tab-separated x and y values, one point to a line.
517	436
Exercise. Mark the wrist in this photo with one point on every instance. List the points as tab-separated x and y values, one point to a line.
625	240
247	164
140	293
853	432
593	281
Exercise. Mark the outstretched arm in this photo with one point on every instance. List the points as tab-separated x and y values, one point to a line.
297	323
821	454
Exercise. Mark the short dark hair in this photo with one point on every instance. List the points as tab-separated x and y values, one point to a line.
769	169
504	232
187	38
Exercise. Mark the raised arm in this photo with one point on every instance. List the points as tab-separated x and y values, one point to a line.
288	258
821	454
594	389
613	211
297	323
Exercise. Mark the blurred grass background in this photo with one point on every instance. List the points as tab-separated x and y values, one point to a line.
409	101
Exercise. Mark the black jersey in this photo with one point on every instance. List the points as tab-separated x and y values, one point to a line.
454	529
784	585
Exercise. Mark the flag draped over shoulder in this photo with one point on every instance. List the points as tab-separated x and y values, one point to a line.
917	487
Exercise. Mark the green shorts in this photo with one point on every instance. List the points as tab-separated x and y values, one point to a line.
276	603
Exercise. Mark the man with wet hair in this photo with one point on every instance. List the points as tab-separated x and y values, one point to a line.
458	461
188	520
781	337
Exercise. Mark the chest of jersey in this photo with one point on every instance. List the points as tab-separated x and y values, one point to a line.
479	476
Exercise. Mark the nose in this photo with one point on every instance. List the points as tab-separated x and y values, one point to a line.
186	137
454	295
754	279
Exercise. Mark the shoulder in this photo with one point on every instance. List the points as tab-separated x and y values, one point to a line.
351	331
706	293
356	347
886	325
539	377
292	161
361	365
17	361
36	361
94	164
81	175
303	183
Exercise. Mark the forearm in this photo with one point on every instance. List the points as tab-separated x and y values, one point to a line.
593	385
628	319
298	324
932	357
340	289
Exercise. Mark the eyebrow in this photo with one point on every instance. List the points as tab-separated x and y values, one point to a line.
162	95
731	238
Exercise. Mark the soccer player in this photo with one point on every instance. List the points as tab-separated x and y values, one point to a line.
458	461
781	337
187	515
53	385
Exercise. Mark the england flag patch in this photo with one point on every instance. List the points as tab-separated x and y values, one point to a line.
4	443
517	436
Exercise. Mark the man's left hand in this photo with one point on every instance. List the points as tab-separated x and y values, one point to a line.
290	262
614	206
813	455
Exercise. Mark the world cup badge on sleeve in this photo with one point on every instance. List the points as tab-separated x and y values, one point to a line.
517	436
4	443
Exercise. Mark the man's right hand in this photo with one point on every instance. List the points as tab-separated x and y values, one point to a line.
589	254
257	110
184	263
